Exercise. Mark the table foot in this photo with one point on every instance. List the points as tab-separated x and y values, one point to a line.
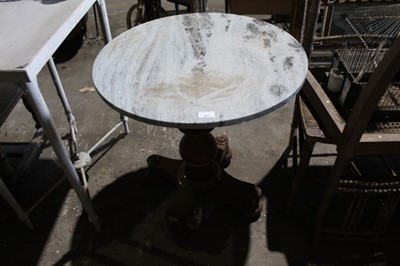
193	197
241	196
202	181
181	212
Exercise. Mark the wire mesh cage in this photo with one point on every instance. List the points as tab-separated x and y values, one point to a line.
374	24
372	30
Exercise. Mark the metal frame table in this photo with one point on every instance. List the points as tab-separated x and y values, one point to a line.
31	32
195	72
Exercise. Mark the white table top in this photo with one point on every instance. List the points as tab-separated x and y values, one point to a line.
200	70
31	31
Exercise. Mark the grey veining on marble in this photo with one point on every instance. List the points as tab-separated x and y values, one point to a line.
200	70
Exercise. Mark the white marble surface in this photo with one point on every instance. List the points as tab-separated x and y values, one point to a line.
200	70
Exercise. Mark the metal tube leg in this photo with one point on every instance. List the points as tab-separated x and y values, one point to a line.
105	25
22	215
64	100
60	89
43	114
124	120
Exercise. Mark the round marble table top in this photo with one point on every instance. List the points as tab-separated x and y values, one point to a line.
200	70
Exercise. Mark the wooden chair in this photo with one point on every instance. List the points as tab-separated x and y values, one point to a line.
321	122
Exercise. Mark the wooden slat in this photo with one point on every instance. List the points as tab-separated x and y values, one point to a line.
330	118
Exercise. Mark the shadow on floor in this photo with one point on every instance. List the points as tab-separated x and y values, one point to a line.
291	234
132	211
20	245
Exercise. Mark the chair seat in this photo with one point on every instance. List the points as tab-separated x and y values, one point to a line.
310	125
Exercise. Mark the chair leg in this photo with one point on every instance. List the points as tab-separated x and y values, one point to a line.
177	9
294	135
305	157
330	189
227	6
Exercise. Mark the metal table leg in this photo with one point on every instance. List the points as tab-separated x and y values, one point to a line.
82	159
105	25
67	109
43	114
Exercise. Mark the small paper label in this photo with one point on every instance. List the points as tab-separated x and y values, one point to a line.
208	114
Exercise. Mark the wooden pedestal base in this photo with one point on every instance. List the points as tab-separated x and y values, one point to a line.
200	179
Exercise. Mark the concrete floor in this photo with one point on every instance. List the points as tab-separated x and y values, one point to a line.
131	205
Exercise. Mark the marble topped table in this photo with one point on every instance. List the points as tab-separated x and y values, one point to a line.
195	72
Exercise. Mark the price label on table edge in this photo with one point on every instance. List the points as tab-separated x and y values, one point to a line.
207	114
